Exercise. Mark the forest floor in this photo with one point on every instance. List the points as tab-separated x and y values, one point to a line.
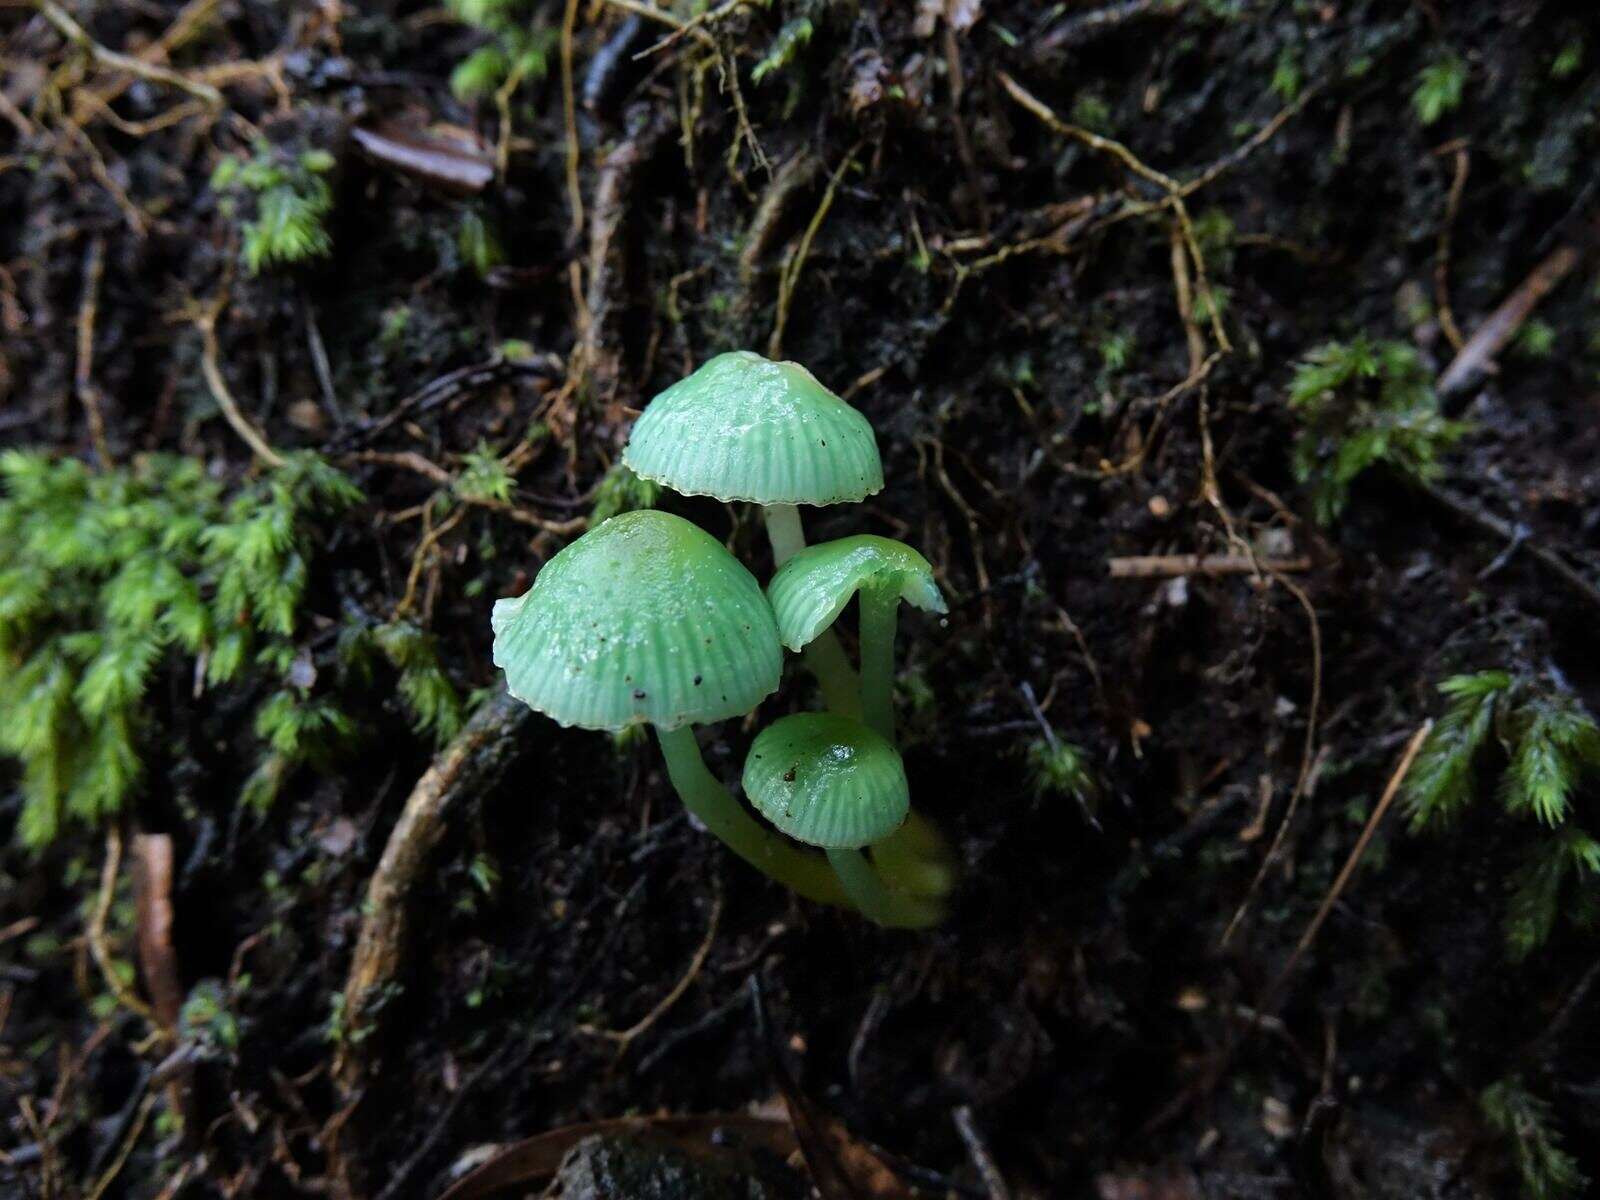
1069	259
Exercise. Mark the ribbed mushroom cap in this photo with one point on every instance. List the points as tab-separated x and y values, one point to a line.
827	781
645	618
745	428
810	590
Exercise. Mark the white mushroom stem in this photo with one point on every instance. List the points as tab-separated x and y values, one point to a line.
774	856
784	531
824	657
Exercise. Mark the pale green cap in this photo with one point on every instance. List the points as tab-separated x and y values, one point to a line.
827	781
645	618
810	590
745	428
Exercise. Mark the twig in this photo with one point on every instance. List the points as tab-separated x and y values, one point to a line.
103	1184
320	365
83	373
1307	759
569	108
158	962
1441	261
1054	743
625	1037
1269	999
994	1183
210	367
451	386
474	758
1251	144
1174	191
709	17
1464	510
1162	566
79	37
95	931
1474	358
797	262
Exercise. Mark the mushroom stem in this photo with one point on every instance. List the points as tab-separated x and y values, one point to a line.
784	531
916	858
875	900
704	796
824	657
880	612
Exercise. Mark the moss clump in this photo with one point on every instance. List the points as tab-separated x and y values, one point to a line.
291	198
1526	1123
111	574
1541	741
1361	403
517	52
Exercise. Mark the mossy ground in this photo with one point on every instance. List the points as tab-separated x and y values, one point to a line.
1000	300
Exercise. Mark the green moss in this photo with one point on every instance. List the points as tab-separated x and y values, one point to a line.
291	198
109	576
1527	1126
517	53
793	37
1361	403
1440	87
1058	768
622	491
1541	741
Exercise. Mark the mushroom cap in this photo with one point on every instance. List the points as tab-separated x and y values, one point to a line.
827	780
745	428
810	590
645	618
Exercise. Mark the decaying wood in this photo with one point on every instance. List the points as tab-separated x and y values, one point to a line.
474	758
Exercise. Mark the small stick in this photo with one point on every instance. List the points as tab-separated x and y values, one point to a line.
210	367
1054	743
1270	996
1441	262
569	109
1161	566
83	374
625	1037
79	37
797	263
994	1183
96	929
1502	324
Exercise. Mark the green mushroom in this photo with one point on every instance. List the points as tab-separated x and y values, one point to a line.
745	428
647	619
830	781
810	591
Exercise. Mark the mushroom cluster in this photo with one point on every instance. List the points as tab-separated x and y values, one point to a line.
647	619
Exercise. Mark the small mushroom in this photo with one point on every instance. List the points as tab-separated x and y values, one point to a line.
647	619
810	591
745	428
830	781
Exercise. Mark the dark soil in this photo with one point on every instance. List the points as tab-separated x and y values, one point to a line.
959	289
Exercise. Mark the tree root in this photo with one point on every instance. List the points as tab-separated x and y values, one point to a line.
472	761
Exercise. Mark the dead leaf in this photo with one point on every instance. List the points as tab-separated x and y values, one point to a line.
451	159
